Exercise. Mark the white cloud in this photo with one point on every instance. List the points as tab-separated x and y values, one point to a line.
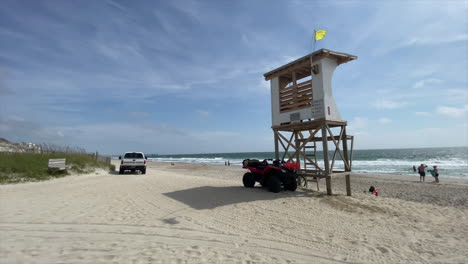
137	115
415	27
148	136
361	134
264	86
422	113
434	40
16	128
116	5
388	104
456	96
357	125
385	120
13	34
122	58
426	82
203	113
452	111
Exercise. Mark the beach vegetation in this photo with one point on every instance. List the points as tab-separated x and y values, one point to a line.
18	167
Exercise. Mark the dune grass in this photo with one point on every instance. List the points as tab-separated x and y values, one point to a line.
22	167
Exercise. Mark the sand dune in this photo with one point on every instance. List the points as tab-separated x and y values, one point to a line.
201	214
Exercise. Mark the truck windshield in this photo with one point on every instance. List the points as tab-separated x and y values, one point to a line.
133	156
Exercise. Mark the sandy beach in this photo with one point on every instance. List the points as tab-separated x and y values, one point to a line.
189	213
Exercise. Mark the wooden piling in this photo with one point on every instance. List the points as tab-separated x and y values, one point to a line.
348	184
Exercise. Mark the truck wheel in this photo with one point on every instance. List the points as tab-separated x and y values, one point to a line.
248	180
121	171
274	184
291	183
143	171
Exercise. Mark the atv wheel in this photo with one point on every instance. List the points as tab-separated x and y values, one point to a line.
248	180
274	184
291	183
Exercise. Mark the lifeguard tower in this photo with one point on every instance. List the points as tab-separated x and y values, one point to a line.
305	117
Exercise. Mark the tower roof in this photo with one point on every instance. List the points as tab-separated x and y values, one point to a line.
304	64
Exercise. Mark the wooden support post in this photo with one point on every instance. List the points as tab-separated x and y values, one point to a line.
345	149
276	145
348	184
351	154
328	182
326	160
298	144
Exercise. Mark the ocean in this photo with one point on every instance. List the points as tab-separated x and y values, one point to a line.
451	162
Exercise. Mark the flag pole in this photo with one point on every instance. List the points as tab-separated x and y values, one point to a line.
315	32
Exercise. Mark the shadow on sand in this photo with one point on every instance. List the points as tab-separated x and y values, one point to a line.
209	197
115	172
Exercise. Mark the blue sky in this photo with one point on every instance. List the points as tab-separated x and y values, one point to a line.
187	76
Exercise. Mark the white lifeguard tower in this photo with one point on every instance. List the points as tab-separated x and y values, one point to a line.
304	112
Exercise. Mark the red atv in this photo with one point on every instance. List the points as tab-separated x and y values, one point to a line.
271	176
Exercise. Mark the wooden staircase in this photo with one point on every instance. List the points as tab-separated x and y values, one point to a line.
310	171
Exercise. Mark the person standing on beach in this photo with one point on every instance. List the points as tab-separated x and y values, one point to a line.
422	173
436	174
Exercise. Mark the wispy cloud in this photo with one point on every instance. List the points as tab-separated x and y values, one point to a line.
411	30
116	5
426	82
87	71
358	124
453	112
422	114
384	121
388	104
19	129
435	39
203	113
457	94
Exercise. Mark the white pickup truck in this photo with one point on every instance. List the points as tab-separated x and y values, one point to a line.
133	161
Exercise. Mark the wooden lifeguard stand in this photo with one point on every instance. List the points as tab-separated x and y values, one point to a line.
305	116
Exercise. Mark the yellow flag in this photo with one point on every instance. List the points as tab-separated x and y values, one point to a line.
320	34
